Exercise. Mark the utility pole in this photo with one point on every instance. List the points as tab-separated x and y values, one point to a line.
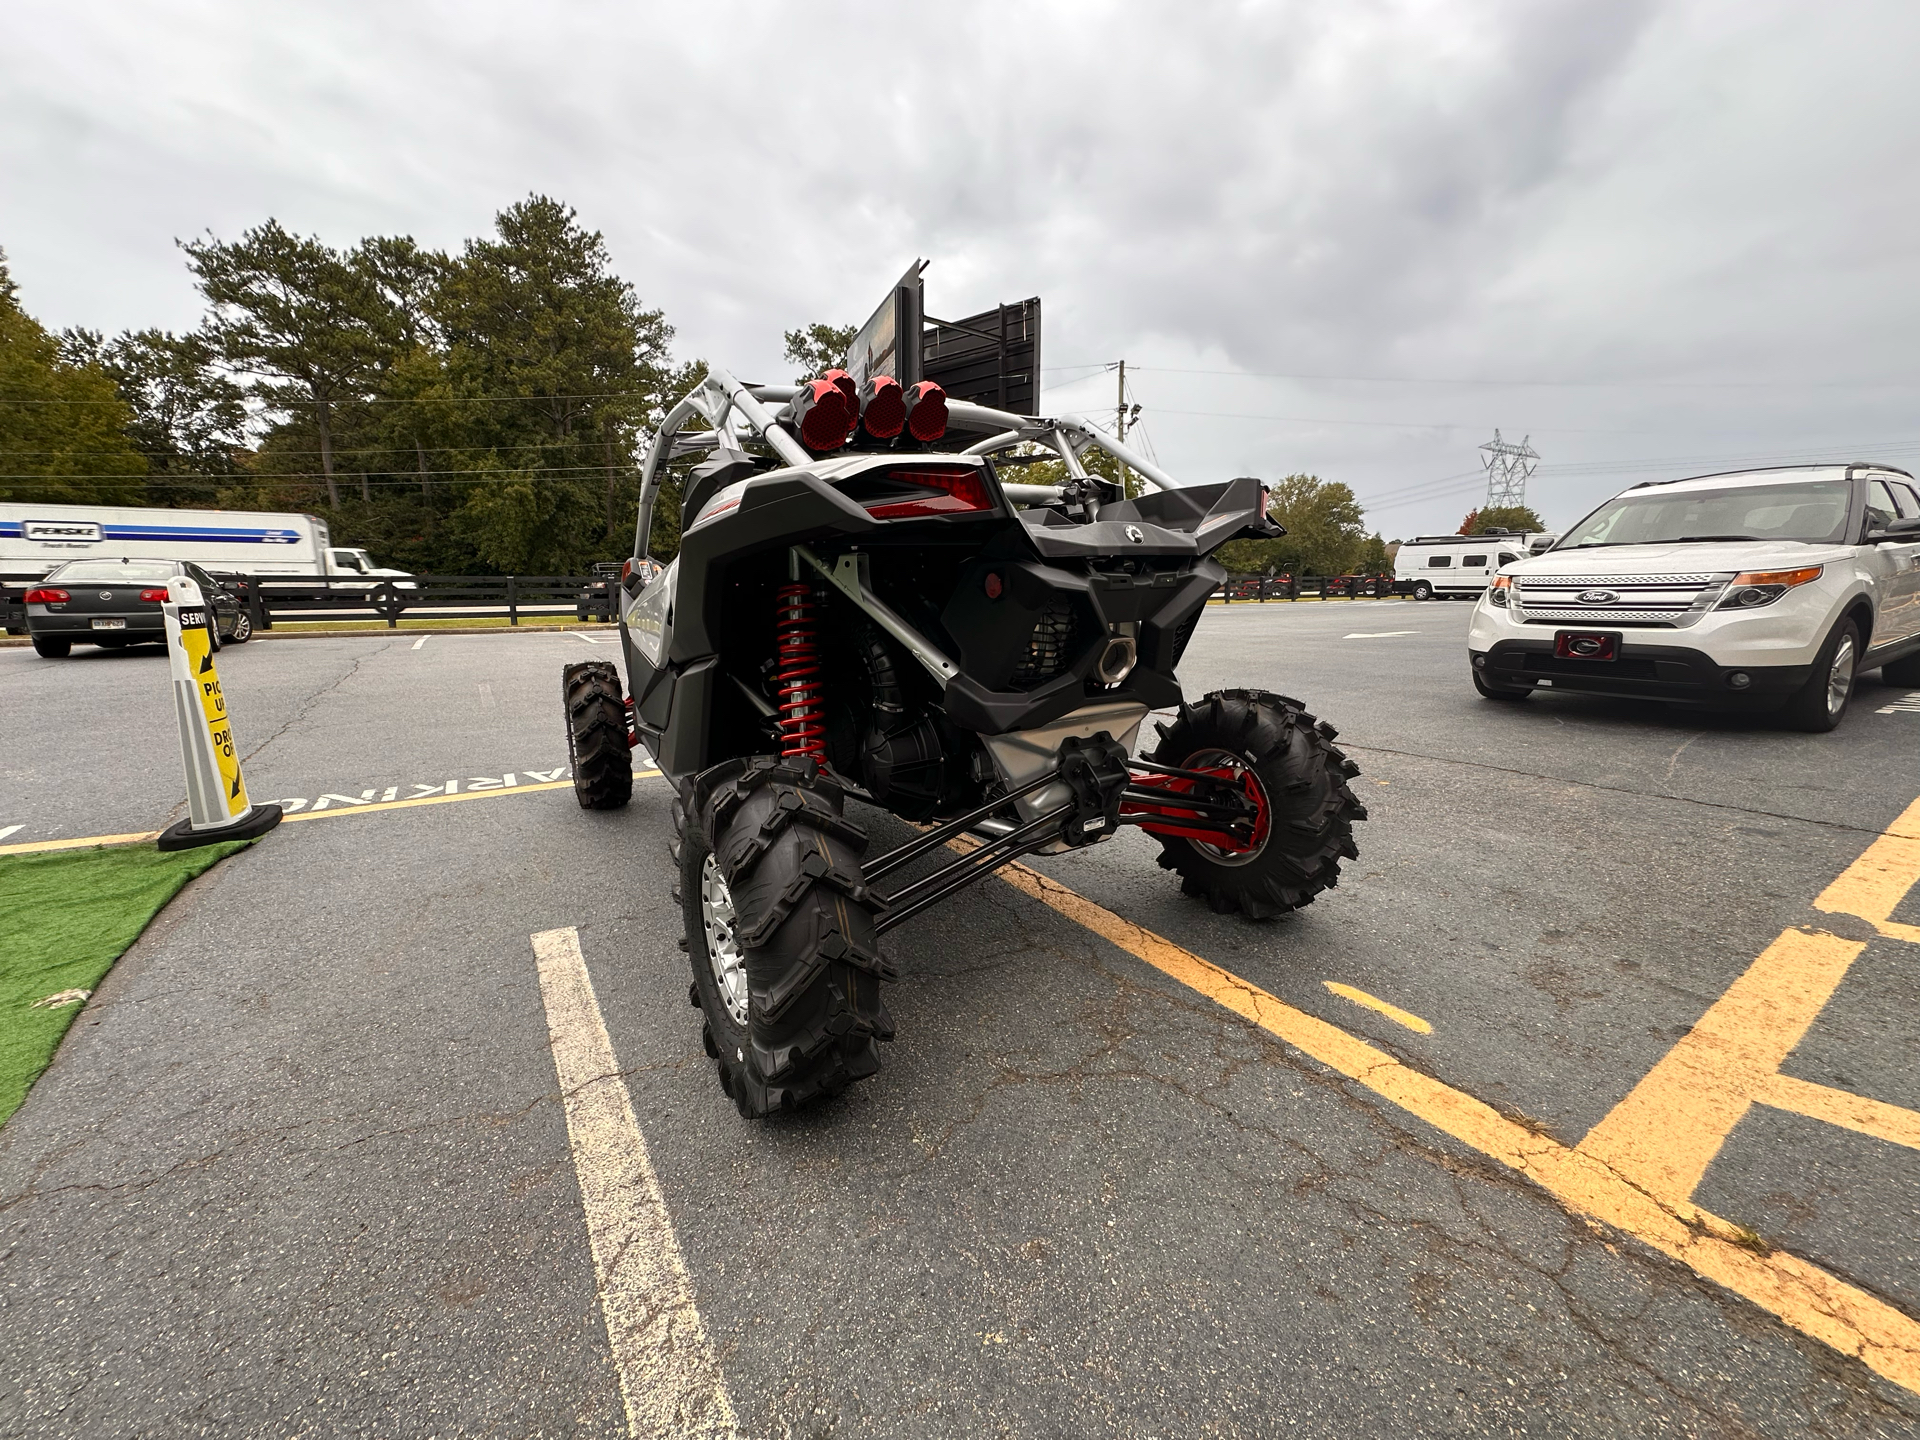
1120	405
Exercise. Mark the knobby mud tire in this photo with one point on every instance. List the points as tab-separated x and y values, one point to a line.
597	748
805	922
1311	810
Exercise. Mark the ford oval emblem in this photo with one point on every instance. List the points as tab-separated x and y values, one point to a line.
1597	597
1136	535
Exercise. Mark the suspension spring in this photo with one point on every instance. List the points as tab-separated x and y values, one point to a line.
797	676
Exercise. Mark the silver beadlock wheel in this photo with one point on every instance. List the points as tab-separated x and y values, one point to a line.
723	946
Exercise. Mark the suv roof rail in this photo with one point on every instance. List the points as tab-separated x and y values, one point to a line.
1850	466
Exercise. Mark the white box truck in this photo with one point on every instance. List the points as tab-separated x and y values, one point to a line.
35	538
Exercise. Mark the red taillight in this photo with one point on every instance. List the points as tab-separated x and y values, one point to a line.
926	411
883	407
823	415
626	571
156	596
960	490
38	596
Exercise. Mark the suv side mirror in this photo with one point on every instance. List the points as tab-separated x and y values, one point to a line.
1896	530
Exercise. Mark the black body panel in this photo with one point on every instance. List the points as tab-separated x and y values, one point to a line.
1025	605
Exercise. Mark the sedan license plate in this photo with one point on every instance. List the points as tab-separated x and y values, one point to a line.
1580	645
114	623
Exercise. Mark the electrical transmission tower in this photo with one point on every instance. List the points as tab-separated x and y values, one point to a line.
1509	466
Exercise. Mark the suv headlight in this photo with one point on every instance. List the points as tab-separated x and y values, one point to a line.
1754	588
1497	591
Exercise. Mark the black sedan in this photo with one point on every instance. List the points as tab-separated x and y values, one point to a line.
114	603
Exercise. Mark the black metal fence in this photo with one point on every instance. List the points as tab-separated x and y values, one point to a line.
513	598
1256	588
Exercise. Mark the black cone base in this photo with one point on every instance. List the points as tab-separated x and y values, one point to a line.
256	821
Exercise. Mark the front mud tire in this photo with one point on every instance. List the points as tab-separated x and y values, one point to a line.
800	920
597	748
1303	780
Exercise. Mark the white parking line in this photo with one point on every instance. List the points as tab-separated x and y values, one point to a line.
6	830
590	639
1377	634
421	641
668	1372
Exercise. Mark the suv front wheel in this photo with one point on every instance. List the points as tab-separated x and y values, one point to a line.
1821	703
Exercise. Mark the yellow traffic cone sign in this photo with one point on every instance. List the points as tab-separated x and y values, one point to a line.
217	804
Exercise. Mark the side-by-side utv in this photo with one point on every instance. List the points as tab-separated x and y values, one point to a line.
864	606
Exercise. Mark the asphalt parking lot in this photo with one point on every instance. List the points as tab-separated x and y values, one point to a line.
303	1165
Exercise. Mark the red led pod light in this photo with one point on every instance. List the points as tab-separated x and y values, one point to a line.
883	407
843	382
822	415
926	411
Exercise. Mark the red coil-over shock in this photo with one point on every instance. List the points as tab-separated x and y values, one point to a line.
797	678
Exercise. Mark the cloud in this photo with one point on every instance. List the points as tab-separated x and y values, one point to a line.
1667	198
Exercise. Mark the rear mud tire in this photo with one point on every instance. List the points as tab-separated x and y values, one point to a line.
48	648
802	924
597	748
1311	810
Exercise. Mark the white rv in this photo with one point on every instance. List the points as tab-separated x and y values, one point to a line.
35	538
1449	566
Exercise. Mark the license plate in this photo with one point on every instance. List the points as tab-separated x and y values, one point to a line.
1579	645
109	624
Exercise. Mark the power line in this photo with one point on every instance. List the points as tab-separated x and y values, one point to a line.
1909	384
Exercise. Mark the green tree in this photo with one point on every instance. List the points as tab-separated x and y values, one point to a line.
188	418
817	348
1326	531
570	367
310	323
62	424
1374	559
1501	517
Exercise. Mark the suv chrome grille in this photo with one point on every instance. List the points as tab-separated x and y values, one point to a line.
1672	601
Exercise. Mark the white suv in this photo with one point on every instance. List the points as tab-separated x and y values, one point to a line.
1763	590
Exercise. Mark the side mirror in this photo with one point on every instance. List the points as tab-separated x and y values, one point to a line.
1896	531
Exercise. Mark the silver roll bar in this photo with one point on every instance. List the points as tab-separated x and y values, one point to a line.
720	394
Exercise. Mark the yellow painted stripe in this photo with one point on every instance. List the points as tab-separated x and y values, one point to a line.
1374	1002
1892	1123
33	847
1875	884
378	805
669	1374
1801	1294
1670	1126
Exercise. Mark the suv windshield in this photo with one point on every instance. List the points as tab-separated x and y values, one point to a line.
125	572
1811	510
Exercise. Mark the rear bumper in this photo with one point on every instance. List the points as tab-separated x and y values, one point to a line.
1672	673
147	625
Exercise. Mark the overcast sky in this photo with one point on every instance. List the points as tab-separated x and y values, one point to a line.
1660	238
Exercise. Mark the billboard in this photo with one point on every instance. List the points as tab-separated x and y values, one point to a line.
876	347
992	358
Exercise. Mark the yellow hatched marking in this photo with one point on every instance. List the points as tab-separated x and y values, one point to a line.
1670	1126
1892	1123
1801	1294
1374	1002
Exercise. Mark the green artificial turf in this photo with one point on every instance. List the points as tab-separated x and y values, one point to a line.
64	919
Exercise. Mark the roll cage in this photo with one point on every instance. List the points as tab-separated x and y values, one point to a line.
726	404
